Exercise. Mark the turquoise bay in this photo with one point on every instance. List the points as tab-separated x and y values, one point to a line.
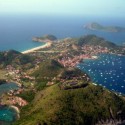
7	114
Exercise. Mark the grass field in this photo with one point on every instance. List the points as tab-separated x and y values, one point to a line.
2	74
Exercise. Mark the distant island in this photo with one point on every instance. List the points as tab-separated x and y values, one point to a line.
45	38
99	27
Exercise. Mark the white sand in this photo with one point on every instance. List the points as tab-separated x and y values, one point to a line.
48	44
15	108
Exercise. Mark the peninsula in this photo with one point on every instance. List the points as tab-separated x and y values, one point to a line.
99	27
47	39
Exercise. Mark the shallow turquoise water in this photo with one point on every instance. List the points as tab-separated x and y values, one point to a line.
7	114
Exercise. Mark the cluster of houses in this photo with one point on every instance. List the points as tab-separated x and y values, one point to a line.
94	50
14	100
89	53
17	75
67	61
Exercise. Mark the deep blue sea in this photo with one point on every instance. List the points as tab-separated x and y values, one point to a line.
107	71
16	32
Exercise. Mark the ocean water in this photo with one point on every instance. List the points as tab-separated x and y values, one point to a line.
16	31
7	114
107	71
7	87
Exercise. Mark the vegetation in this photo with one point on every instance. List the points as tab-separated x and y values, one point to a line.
85	106
71	72
27	95
8	57
15	58
2	74
49	68
45	38
94	40
49	37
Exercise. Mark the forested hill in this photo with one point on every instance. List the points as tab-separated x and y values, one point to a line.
94	40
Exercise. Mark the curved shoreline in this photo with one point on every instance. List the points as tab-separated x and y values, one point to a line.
15	108
46	45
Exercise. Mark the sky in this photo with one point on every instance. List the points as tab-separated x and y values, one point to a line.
64	7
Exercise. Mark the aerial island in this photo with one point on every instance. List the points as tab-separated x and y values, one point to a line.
99	27
53	91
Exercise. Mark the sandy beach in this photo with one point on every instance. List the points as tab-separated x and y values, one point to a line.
48	44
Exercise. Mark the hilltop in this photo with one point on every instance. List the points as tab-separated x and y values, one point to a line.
14	58
94	40
87	106
45	38
97	26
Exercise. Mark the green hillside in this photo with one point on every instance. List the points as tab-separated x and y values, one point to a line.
94	40
8	56
45	38
84	106
49	37
49	68
14	58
